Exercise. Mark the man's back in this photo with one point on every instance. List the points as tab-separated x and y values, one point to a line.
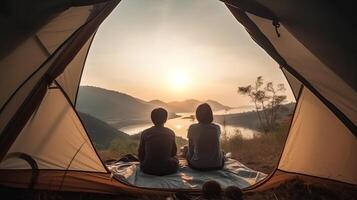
157	144
157	150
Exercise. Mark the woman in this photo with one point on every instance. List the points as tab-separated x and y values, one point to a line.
204	149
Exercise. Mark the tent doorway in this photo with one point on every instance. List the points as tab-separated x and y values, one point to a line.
177	64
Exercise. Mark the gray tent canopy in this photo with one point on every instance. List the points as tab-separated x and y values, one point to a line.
44	145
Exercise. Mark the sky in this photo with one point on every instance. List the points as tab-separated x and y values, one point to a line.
174	50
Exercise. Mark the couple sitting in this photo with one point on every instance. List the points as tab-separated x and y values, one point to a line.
157	149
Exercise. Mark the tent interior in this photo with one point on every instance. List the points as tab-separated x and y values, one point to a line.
44	144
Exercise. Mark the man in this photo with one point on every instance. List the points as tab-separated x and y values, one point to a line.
157	149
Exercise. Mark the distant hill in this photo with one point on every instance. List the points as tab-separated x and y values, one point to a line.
184	106
189	105
111	142
119	109
159	103
251	120
217	106
101	133
111	106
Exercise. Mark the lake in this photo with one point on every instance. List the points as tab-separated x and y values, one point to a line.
180	125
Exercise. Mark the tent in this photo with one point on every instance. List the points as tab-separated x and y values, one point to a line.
44	44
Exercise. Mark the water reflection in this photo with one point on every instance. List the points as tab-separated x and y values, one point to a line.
180	126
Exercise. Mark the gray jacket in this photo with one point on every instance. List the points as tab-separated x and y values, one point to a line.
204	149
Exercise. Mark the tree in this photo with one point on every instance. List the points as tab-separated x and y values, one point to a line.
275	100
267	101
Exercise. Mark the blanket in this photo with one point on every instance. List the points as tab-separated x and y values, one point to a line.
233	173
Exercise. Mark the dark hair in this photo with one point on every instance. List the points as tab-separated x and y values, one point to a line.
233	192
204	113
211	189
158	116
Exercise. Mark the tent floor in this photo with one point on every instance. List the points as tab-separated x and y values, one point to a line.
291	189
299	189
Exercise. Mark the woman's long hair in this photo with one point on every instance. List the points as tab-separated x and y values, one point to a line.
204	114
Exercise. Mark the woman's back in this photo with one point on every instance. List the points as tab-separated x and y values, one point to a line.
204	147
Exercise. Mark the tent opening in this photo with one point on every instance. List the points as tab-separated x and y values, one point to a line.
178	55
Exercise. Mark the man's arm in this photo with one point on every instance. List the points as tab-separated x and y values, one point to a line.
174	148
141	150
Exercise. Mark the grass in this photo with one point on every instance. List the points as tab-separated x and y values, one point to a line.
120	147
261	153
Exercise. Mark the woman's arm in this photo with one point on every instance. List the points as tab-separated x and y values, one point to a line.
190	144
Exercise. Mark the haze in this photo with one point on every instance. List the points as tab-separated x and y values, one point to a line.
177	49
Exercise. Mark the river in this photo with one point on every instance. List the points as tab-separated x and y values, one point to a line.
180	125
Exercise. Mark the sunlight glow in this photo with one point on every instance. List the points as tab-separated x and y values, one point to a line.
179	80
152	50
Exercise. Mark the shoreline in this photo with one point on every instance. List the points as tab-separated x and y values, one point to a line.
120	124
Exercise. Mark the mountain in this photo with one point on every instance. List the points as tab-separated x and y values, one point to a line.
250	119
112	106
159	103
119	109
217	106
101	133
110	142
189	105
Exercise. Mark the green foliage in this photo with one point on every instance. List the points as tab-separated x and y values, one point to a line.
180	141
267	101
112	143
100	132
230	144
120	147
261	152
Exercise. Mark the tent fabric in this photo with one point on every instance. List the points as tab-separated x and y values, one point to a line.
258	35
38	48
20	96
318	26
53	34
338	92
13	67
294	83
25	89
252	6
319	144
279	177
65	54
331	87
233	173
44	145
76	181
70	78
55	139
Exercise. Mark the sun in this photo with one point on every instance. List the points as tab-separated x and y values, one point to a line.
179	80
